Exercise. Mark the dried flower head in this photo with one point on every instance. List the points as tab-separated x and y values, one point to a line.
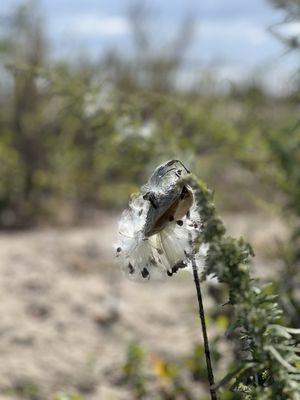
156	232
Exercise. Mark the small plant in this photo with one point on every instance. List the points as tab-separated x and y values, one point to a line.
284	147
133	370
172	224
269	367
25	389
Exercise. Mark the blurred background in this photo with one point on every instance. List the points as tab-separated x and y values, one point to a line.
93	95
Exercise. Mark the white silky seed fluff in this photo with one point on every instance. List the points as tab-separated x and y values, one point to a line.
141	256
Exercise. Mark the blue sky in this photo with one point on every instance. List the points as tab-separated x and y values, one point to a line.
230	34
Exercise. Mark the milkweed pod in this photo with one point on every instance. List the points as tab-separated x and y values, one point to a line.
157	229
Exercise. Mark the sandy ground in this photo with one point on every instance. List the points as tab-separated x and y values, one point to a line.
67	314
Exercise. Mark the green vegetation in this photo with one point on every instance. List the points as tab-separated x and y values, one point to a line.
268	367
69	132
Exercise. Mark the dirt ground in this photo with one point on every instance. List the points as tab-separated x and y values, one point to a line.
67	314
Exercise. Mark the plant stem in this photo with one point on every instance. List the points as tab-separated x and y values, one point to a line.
210	374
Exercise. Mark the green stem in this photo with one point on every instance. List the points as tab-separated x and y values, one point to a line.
210	374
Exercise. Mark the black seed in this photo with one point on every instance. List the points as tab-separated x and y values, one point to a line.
140	212
160	251
176	267
179	222
171	218
131	268
169	273
119	249
144	273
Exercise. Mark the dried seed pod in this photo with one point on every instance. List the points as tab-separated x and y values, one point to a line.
155	231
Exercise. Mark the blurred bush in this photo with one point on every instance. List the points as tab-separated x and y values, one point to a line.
75	137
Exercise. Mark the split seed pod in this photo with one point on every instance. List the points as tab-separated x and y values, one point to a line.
156	231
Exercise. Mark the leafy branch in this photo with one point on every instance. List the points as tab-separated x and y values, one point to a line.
269	366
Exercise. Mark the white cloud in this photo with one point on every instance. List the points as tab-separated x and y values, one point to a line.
233	30
88	25
290	29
